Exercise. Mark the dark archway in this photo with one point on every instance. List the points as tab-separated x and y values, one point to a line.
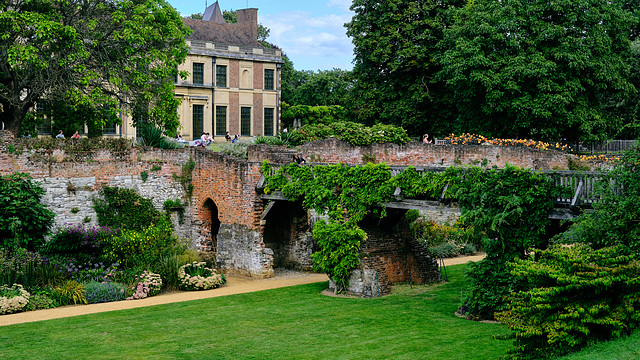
210	225
286	233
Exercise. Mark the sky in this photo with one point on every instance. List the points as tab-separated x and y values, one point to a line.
310	32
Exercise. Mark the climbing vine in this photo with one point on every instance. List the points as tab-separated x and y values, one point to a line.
346	195
186	178
510	206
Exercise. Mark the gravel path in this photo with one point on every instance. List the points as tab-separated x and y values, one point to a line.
234	285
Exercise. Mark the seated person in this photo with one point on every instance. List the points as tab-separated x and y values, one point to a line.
75	136
236	138
227	136
60	135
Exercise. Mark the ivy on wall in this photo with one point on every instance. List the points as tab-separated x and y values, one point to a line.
509	205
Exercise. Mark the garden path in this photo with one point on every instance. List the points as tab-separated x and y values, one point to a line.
234	285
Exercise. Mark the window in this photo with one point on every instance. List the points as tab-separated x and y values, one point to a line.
268	79
268	122
198	120
245	121
42	114
221	75
110	128
198	73
221	120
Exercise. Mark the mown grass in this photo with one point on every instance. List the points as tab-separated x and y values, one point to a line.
627	348
289	323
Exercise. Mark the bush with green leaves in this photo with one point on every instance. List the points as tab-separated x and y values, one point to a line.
353	133
40	299
13	298
618	208
83	243
573	296
124	209
102	292
23	219
144	248
238	149
510	206
154	137
197	276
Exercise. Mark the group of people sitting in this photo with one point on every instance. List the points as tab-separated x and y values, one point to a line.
235	139
61	135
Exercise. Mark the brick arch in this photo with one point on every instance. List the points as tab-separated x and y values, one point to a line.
210	224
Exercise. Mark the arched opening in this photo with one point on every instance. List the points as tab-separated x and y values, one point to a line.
210	225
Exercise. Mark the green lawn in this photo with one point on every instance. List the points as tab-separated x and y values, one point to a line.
289	323
627	348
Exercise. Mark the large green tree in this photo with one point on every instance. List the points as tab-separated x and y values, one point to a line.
395	45
538	69
101	54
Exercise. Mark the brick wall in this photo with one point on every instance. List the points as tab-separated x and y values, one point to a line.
416	153
258	115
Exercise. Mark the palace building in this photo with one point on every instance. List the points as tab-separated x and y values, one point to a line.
234	81
234	84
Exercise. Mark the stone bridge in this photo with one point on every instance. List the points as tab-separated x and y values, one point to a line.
226	214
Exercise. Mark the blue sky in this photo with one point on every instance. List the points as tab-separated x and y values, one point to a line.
310	32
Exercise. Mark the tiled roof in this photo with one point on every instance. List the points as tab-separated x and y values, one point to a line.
213	14
228	34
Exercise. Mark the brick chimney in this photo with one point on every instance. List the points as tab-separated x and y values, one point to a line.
248	18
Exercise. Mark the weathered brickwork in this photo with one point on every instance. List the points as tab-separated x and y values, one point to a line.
415	153
258	115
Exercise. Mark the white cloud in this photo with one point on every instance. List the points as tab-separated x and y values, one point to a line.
312	42
344	4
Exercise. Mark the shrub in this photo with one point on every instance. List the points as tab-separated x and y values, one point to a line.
196	276
124	209
353	133
83	243
141	248
23	219
573	297
618	209
70	292
102	292
238	149
13	299
153	136
39	301
149	284
445	250
468	249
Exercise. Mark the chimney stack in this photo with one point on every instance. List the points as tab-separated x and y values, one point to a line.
249	19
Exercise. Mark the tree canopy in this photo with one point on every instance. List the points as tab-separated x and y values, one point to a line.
510	68
101	54
538	69
395	45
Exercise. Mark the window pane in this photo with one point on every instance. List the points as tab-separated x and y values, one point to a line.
110	128
245	121
221	76
268	79
198	73
198	120
268	122
221	120
42	114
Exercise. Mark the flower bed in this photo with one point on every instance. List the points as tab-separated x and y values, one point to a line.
13	299
196	276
